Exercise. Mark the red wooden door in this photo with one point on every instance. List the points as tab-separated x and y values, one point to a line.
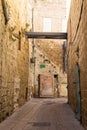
46	86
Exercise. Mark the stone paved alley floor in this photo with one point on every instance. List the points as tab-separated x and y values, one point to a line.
43	114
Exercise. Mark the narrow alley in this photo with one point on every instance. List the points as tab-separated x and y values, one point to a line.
43	114
43	64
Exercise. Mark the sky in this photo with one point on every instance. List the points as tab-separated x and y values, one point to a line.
64	22
68	7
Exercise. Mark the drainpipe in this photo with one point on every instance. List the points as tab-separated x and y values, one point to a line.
33	48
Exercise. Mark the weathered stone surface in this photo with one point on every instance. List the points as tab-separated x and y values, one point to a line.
16	72
43	114
52	50
59	83
77	54
14	55
56	12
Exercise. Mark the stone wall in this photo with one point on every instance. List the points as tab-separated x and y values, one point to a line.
56	12
52	49
44	66
16	72
14	55
77	55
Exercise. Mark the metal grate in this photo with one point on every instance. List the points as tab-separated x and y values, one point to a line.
40	124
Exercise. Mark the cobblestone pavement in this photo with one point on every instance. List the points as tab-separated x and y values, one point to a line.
43	114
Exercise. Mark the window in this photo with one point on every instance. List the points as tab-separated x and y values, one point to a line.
47	25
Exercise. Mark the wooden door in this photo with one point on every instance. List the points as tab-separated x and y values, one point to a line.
78	96
46	86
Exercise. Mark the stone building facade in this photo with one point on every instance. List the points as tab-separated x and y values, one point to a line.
77	59
49	16
17	74
15	19
43	66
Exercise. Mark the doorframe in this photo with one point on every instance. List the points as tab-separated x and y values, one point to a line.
38	85
56	76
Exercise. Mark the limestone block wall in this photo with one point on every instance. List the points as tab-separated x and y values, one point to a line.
77	54
14	55
49	69
52	49
56	12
